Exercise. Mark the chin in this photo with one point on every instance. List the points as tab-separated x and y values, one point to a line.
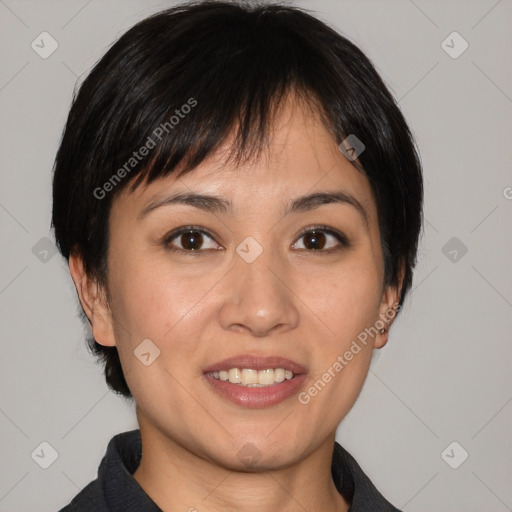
258	454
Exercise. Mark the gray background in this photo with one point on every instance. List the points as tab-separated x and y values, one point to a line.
445	374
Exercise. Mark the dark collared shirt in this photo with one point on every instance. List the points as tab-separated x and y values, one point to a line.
115	489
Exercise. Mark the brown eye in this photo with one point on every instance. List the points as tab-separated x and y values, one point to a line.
314	240
322	240
190	240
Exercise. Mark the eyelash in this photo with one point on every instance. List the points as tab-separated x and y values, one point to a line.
340	237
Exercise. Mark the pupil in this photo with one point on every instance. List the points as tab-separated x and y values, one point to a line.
317	240
191	241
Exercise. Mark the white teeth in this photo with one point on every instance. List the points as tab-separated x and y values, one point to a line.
279	374
234	375
266	377
249	377
253	378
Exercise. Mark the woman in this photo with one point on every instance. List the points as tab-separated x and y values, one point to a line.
239	199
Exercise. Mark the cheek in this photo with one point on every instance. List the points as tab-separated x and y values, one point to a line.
346	299
345	303
151	296
155	300
165	307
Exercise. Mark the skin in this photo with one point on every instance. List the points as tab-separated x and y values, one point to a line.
293	301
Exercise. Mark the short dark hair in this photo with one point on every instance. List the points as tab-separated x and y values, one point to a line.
231	64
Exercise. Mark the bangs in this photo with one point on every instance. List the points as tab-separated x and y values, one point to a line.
188	90
180	149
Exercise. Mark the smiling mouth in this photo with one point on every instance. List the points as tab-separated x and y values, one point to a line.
249	377
256	381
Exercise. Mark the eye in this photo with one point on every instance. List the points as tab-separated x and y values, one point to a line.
323	239
190	239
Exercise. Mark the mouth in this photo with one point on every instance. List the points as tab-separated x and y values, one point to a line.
256	381
250	377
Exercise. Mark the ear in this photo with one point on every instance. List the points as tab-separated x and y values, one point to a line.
93	298
388	310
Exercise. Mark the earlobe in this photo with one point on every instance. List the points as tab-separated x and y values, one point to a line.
387	312
79	276
93	299
389	308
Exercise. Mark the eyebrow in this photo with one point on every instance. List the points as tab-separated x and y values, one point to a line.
216	204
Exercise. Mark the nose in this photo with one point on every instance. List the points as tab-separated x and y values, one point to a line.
259	297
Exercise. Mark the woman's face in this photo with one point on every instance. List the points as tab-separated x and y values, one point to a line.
251	282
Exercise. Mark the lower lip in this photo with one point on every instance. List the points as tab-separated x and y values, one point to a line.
255	396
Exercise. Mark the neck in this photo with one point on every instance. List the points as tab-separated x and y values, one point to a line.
176	479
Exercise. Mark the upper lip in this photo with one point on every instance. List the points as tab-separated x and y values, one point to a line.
256	363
